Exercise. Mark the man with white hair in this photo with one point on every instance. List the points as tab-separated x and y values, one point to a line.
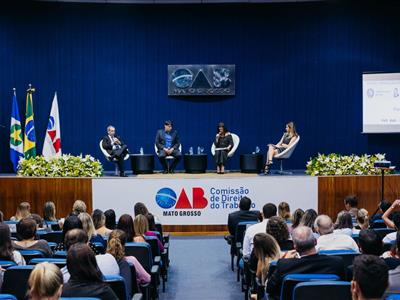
310	262
328	240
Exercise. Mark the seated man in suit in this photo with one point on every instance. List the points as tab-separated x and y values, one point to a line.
167	143
116	148
310	262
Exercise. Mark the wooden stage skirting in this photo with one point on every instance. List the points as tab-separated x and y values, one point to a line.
64	191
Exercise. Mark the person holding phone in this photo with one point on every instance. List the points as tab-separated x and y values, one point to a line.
223	144
288	138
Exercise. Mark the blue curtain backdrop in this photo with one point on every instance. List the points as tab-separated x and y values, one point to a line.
108	63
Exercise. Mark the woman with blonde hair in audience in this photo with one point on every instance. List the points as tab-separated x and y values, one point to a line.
284	211
23	211
88	227
362	219
45	282
141	228
99	221
78	207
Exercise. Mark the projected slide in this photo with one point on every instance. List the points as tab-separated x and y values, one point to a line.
381	102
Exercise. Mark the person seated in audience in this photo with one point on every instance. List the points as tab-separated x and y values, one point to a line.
393	222
351	206
99	221
394	252
328	240
278	228
369	242
106	262
125	223
296	218
111	219
344	224
86	278
382	208
308	219
370	278
268	211
78	207
23	211
284	212
45	282
242	215
70	223
39	221
394	271
116	247
88	227
141	229
362	220
7	251
26	231
310	262
141	209
49	212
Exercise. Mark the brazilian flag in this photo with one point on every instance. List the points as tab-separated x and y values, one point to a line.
29	137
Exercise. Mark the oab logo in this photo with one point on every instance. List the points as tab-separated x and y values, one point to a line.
166	198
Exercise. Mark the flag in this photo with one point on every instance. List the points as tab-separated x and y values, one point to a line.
52	140
30	137
16	143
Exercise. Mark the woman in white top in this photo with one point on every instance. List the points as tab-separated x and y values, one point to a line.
344	223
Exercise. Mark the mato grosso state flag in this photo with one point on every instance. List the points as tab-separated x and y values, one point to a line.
52	140
29	137
16	142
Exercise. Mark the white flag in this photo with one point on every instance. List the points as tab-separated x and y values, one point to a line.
52	141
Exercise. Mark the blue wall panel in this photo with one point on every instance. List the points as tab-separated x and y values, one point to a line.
108	63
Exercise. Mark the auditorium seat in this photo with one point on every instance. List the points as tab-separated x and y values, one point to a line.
53	237
393	297
60	254
117	283
7	263
291	280
286	154
59	262
237	244
378	224
79	298
168	158
382	232
30	254
108	157
15	281
327	290
347	255
7	297
157	260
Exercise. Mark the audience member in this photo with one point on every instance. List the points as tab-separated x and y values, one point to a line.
125	223
328	240
308	219
88	227
370	242
86	278
393	222
39	221
382	208
99	221
370	278
70	223
49	212
394	273
296	218
243	214
26	230
141	209
78	207
351	204
111	219
284	211
23	211
344	224
45	282
278	228
268	211
309	262
362	219
141	229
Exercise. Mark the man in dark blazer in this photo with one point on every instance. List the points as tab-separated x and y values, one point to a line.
310	262
116	148
167	143
242	215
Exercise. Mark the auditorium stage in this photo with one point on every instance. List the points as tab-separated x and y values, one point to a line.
195	202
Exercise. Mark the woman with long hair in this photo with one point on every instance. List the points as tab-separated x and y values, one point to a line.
141	209
308	218
23	211
99	221
141	228
284	211
362	219
223	143
49	211
296	218
45	282
344	223
88	227
288	138
125	223
111	219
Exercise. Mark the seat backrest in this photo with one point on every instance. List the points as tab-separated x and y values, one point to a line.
7	297
59	262
153	242
105	153
378	224
393	297
142	252
7	263
60	254
54	237
290	281
236	142
159	229
79	298
346	255
129	277
382	232
117	284
15	281
327	290
241	229
287	153
30	254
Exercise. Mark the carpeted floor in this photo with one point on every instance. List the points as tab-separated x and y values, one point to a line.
200	269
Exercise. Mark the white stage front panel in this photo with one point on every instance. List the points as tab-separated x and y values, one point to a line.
202	201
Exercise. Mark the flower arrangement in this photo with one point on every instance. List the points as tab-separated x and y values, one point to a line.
65	166
336	164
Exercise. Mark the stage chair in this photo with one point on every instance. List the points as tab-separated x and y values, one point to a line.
7	297
59	262
15	281
31	254
236	142
108	157
327	290
347	255
291	280
168	158
286	154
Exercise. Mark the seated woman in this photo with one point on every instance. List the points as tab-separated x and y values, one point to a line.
344	223
7	251
308	219
287	139
45	282
116	247
296	218
111	219
362	220
49	214
278	228
88	227
86	278
26	231
141	228
125	223
141	209
70	223
99	221
23	211
284	212
224	142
